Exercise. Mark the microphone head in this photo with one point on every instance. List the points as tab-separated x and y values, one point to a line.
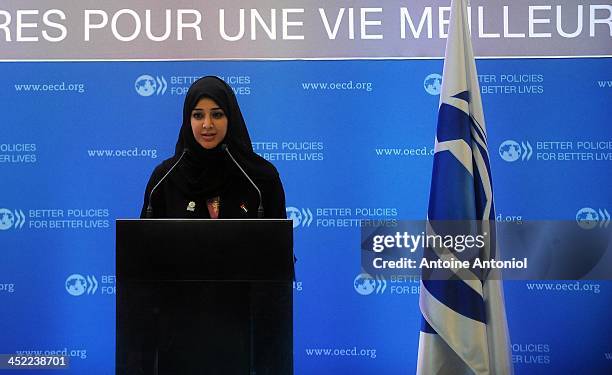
223	147
186	150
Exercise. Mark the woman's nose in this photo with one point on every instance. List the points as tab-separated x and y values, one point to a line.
207	122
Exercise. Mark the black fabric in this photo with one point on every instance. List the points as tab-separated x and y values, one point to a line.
203	173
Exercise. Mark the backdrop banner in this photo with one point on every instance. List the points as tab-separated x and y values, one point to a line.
267	29
352	140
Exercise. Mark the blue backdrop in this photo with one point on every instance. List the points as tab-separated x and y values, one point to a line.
351	140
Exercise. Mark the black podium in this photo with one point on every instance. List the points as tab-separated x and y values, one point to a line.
204	296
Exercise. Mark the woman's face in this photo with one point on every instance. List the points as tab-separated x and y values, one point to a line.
208	123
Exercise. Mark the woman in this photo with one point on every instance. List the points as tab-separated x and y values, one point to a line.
207	178
206	182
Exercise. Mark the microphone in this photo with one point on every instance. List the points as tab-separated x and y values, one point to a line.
149	210
260	209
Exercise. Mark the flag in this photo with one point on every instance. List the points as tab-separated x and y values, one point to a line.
464	328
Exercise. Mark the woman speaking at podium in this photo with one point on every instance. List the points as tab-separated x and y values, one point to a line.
214	172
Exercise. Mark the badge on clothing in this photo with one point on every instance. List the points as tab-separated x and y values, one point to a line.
191	206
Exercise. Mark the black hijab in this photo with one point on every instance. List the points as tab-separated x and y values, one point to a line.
209	172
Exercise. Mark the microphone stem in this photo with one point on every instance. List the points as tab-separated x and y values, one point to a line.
149	210
260	209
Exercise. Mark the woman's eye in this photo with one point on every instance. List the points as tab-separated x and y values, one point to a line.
197	115
217	115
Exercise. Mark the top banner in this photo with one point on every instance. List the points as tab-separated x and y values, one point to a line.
311	29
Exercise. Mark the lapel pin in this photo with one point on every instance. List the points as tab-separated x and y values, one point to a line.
191	206
243	206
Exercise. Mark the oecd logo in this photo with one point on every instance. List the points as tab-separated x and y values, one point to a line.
303	217
10	219
589	218
512	151
365	284
77	285
147	85
432	84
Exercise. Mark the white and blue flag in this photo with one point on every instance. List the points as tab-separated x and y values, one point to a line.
464	329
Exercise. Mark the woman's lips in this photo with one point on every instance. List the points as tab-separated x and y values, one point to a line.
208	137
